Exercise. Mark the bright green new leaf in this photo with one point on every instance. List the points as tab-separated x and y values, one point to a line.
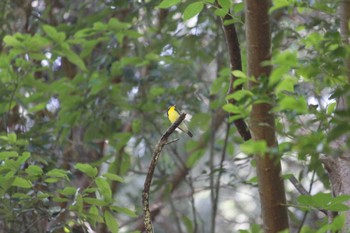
73	57
104	188
22	183
251	147
231	108
56	36
124	210
319	200
8	154
57	173
113	177
67	191
115	24
23	158
287	84
293	103
87	169
34	170
12	138
192	10
221	12
94	215
331	107
111	222
240	94
226	4
277	74
12	41
95	201
277	4
239	74
238	7
168	3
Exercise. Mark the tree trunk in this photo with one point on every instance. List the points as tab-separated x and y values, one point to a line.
262	125
339	168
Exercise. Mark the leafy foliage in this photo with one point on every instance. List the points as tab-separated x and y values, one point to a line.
84	90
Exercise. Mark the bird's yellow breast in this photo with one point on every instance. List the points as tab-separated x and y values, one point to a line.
172	114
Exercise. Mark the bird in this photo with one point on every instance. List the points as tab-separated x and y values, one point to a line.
173	115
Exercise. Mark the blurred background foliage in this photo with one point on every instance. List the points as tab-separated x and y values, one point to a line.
85	86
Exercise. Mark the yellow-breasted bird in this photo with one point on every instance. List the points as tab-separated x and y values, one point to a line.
173	115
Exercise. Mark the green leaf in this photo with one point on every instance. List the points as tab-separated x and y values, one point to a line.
226	4
113	177
58	37
277	74
168	3
217	85
121	140
238	7
188	223
115	24
95	201
23	158
94	215
34	170
73	57
124	210
192	10
254	147
12	138
157	91
319	200
22	183
239	94
8	154
37	107
68	191
293	103
12	41
57	173
239	74
331	107
221	12
111	222
104	188
277	4
287	84
231	108
87	169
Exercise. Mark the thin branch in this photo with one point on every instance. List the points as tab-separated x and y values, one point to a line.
236	64
298	186
212	179
176	217
194	211
147	185
216	189
302	190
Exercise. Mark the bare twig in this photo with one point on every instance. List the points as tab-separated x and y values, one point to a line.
298	186
147	185
302	190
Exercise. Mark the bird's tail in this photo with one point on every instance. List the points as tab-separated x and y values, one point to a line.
189	134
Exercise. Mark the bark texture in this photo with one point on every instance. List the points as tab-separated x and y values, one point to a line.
262	125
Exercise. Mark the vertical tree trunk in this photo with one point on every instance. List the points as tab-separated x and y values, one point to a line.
262	125
339	168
